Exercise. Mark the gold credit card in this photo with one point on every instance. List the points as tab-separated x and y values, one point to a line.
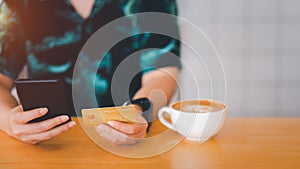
96	116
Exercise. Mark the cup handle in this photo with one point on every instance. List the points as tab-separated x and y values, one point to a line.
162	119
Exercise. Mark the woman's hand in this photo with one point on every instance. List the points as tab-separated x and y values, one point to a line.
34	133
124	133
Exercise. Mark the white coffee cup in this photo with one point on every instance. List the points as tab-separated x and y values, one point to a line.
196	120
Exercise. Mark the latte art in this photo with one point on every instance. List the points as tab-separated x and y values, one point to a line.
198	108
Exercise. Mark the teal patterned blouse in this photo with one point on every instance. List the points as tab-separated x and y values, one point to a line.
47	35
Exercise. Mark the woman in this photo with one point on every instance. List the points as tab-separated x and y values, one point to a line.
47	36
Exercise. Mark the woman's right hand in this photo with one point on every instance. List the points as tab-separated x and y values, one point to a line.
33	133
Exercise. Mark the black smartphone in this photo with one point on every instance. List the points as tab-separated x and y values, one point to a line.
43	93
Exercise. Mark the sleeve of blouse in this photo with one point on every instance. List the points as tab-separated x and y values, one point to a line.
164	50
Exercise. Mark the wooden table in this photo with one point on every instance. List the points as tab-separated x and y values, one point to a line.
243	143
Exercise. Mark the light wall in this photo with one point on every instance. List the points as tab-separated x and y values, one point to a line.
259	45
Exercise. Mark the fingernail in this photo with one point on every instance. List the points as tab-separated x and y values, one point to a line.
99	126
111	123
71	124
64	118
43	111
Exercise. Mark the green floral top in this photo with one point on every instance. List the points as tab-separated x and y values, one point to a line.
47	36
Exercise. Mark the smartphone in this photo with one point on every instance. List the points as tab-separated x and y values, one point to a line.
43	93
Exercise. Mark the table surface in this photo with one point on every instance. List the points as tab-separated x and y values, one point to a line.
242	143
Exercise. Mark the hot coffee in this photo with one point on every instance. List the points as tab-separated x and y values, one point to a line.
191	119
198	106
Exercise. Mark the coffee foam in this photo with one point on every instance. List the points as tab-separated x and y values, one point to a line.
198	106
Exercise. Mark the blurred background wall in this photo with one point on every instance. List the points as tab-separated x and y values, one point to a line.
259	45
